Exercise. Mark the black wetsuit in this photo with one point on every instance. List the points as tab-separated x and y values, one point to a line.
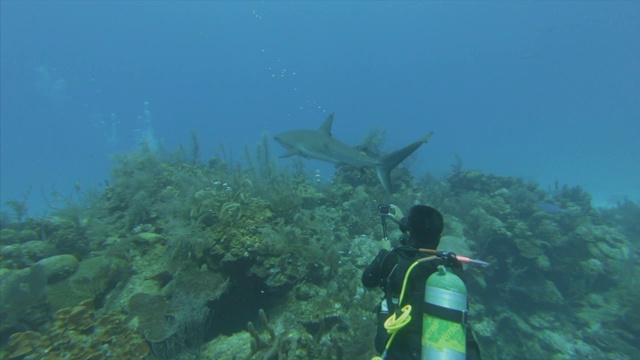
387	271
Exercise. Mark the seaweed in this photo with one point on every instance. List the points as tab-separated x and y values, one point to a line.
19	207
195	148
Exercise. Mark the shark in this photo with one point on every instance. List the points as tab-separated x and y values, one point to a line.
321	145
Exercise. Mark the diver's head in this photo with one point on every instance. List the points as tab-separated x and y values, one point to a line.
425	225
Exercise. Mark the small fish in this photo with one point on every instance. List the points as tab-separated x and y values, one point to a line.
550	208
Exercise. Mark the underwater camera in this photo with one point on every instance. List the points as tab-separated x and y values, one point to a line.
384	209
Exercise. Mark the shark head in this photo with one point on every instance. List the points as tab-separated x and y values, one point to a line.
295	142
282	139
288	140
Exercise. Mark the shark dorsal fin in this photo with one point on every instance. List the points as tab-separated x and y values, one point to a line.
326	125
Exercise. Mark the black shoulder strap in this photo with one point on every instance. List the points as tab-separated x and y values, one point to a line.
408	253
386	281
457	316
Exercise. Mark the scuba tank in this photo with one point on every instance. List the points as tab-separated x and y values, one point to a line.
444	322
445	312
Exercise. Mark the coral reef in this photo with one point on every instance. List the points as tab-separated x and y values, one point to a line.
78	333
22	298
186	258
263	347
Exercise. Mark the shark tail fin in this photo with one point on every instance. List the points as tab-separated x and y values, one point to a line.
390	161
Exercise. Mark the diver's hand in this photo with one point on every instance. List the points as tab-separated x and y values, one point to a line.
395	213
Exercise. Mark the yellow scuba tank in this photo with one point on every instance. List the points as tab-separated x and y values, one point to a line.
445	317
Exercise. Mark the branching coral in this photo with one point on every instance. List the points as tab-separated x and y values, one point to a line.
274	347
77	333
227	211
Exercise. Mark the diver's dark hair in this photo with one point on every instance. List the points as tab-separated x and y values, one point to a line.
425	224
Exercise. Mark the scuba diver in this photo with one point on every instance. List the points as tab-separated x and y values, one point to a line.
423	314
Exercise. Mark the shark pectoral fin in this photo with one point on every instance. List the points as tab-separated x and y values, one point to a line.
290	152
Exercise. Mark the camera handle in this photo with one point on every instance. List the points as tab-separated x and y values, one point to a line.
383	221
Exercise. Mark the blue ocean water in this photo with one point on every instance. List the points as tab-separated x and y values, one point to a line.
548	91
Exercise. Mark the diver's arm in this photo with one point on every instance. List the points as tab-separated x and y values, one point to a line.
372	274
